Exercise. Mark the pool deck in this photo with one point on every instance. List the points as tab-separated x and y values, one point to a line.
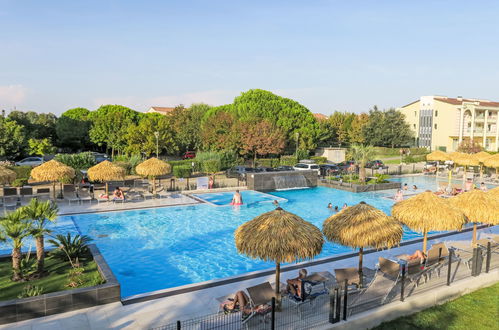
188	305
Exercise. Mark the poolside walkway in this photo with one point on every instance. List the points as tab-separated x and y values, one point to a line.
193	304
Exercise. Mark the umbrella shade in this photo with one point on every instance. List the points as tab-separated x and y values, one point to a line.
362	226
482	156
153	167
427	211
279	236
6	175
467	160
477	206
52	171
492	161
106	171
494	192
438	155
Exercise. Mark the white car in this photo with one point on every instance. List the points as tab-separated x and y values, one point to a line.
30	161
306	167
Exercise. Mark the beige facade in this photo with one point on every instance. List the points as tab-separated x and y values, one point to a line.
161	110
444	122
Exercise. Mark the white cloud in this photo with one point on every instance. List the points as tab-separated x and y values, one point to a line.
12	95
214	97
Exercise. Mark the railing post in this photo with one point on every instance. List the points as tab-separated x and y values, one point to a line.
402	284
451	252
331	307
489	256
272	315
178	325
477	262
338	304
345	298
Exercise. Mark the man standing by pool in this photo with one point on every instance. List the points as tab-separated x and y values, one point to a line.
237	199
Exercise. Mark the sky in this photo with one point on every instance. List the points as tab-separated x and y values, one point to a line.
327	55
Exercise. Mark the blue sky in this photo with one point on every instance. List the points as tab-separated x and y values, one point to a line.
328	55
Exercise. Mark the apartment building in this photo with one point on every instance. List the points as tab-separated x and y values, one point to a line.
441	122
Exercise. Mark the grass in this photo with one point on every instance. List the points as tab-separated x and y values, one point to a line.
56	280
477	310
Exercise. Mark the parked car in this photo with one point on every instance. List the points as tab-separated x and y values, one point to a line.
189	155
305	167
375	164
344	166
30	161
240	171
284	168
329	169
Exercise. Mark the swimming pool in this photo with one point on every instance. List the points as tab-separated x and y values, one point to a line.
160	248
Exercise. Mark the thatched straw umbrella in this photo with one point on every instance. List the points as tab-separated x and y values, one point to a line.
52	171
477	206
362	226
279	236
6	175
105	172
153	167
425	212
438	155
481	157
494	192
493	161
466	160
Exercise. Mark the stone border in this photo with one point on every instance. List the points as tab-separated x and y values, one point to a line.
64	301
357	188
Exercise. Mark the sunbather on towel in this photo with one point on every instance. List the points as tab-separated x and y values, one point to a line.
418	254
118	194
240	302
294	284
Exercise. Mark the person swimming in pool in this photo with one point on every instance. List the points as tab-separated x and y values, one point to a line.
237	199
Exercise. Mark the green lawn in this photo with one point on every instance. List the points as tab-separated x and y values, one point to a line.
477	310
56	280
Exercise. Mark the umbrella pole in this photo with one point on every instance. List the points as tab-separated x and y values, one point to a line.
474	234
425	239
278	283
154	186
361	277
107	191
53	191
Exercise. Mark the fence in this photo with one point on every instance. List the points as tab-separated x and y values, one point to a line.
342	300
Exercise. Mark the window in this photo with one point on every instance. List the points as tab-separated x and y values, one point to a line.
435	126
436	113
414	125
414	113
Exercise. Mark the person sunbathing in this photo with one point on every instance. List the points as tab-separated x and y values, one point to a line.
418	254
118	194
240	302
294	285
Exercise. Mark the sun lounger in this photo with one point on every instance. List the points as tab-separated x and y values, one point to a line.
9	191
26	192
10	202
312	287
385	279
85	195
259	295
71	197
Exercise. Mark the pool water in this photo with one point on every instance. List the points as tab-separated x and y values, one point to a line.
160	248
249	197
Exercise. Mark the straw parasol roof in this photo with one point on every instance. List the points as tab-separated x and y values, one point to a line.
494	192
467	160
279	236
438	155
52	171
106	171
6	175
362	226
427	211
477	206
454	155
482	156
492	161
153	167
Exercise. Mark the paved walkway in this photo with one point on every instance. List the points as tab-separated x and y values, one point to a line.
189	305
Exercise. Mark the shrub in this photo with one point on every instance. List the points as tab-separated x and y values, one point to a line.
182	171
381	178
75	277
187	162
302	154
211	165
30	291
413	159
268	162
125	165
319	160
207	155
229	159
80	161
22	172
6	163
288	160
19	182
70	249
132	160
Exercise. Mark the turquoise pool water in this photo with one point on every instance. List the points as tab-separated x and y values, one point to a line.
161	248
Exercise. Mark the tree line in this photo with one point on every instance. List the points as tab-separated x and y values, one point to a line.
258	123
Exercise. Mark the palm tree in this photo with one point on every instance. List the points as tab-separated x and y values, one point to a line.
362	154
17	229
39	213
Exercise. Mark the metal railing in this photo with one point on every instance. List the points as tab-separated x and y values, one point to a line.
342	301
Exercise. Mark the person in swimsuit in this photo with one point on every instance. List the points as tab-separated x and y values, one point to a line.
399	196
237	199
118	194
294	284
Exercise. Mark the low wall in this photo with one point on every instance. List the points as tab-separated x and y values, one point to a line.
64	301
264	181
357	188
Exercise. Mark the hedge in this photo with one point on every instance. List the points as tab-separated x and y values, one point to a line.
22	172
126	165
186	162
268	162
211	165
319	160
288	161
182	171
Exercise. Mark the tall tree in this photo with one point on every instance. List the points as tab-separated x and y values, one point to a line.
356	132
261	138
186	125
73	128
219	132
387	128
40	147
39	213
37	126
110	124
12	139
141	137
341	123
